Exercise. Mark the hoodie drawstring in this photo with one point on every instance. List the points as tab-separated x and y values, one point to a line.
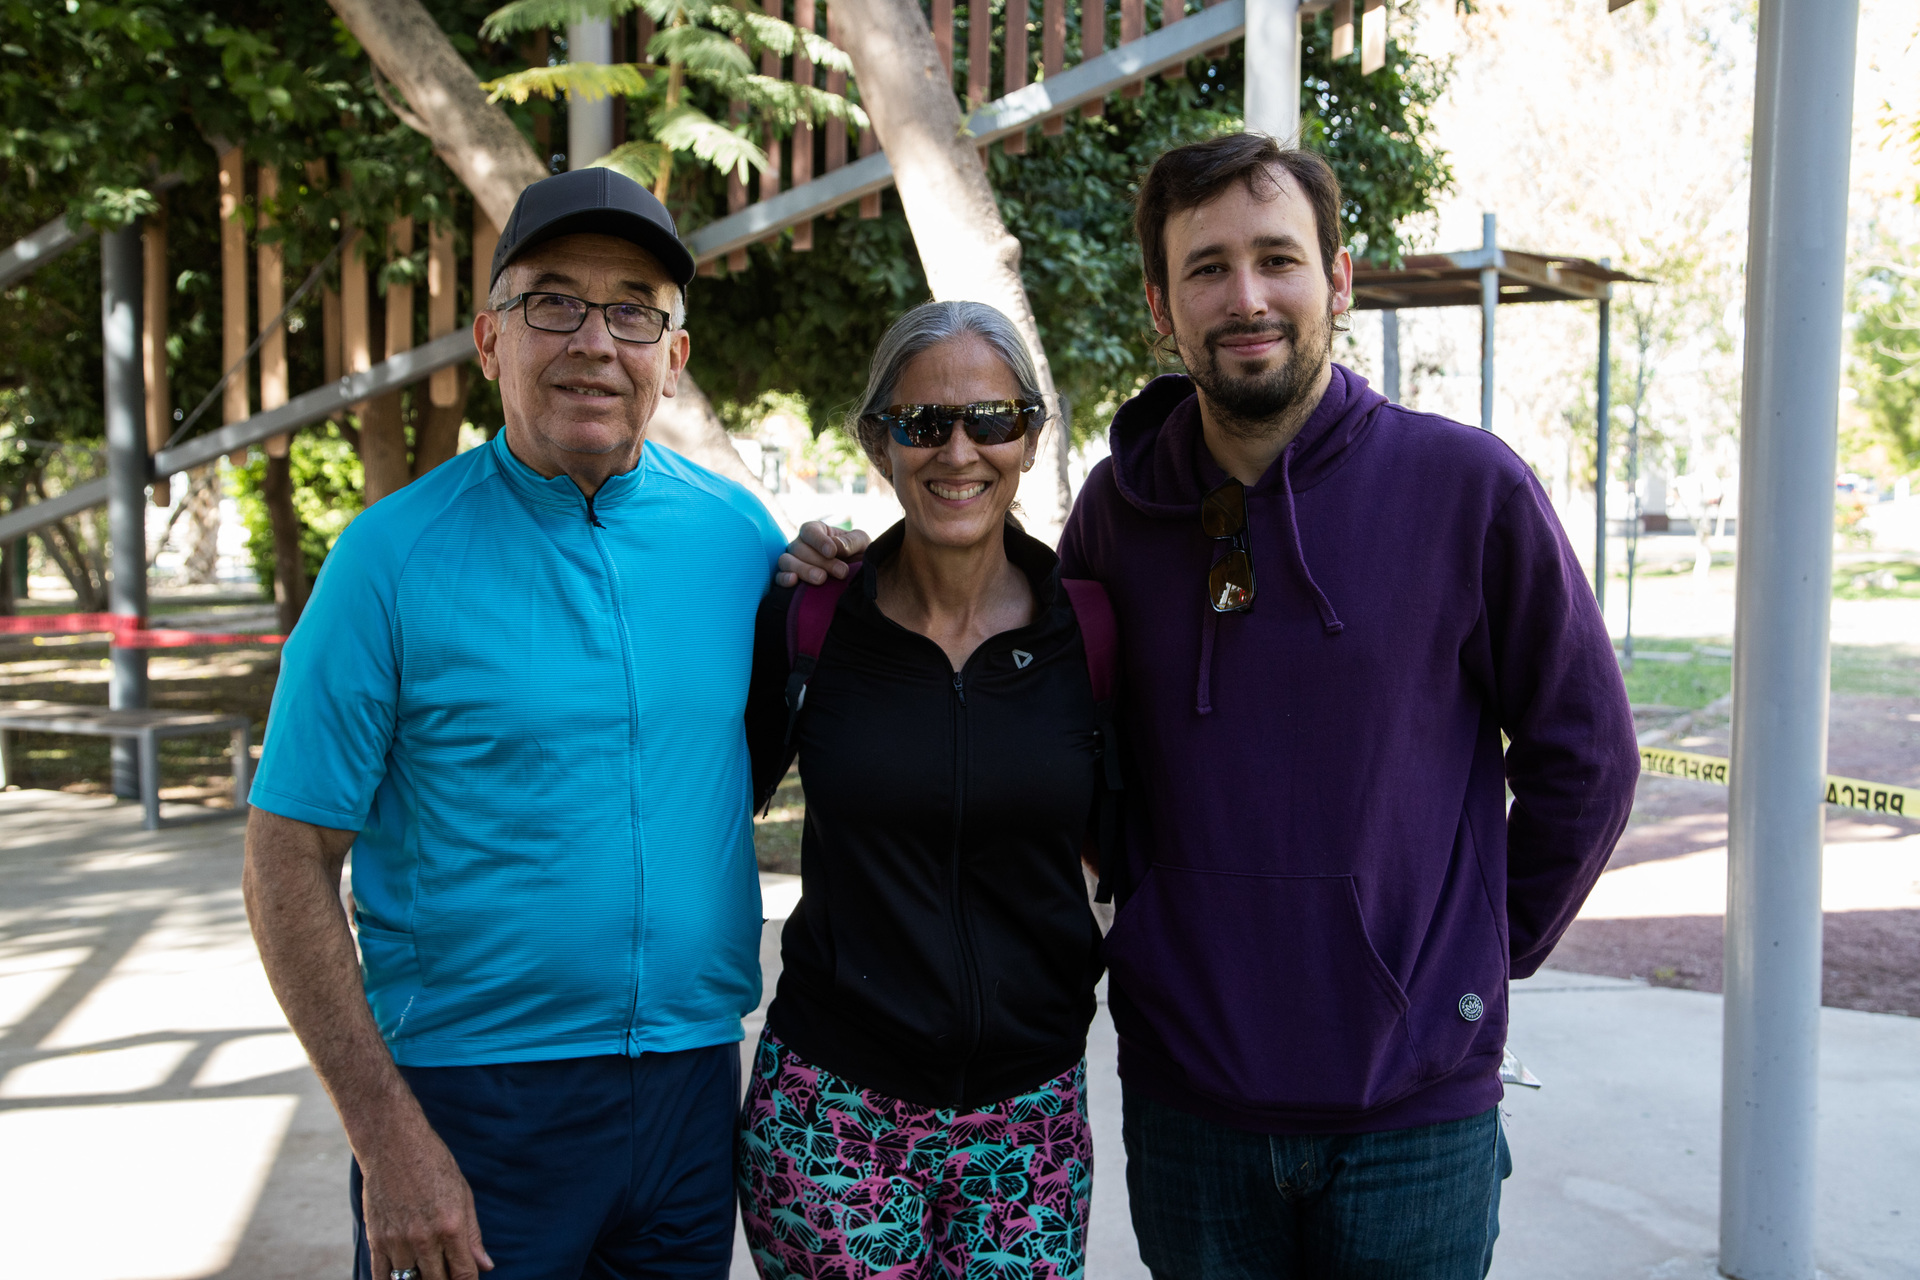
1203	698
1329	620
1210	621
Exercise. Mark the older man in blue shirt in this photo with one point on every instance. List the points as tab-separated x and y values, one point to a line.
517	696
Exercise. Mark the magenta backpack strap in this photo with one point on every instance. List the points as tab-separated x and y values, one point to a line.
1100	636
1098	632
809	617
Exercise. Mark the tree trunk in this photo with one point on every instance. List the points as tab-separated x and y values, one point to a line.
964	246
479	142
289	565
383	447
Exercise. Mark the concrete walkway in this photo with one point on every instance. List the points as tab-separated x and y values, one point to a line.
157	1121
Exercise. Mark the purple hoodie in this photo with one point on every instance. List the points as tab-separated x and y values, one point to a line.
1328	891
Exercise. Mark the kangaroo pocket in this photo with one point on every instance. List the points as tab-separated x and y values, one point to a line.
1265	990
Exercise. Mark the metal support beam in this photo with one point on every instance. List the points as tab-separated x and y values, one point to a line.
589	121
122	270
403	370
1603	409
29	253
1796	281
1489	303
1273	69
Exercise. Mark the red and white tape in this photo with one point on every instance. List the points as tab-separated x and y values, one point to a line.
125	630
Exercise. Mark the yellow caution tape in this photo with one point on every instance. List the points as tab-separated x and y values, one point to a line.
1847	793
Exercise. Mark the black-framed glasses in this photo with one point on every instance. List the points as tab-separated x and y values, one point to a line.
1223	515
929	426
564	313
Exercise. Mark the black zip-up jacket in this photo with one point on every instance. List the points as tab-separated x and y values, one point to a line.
942	951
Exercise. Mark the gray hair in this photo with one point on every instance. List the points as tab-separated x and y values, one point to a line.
502	292
920	330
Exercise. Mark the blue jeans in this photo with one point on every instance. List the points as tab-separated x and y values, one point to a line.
1212	1202
602	1168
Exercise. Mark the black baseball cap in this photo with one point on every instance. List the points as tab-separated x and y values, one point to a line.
593	200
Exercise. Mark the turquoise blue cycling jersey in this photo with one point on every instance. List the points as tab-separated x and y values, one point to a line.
529	706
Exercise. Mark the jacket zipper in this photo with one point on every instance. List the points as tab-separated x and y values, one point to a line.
633	818
962	933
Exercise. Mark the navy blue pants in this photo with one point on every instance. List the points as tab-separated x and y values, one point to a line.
1212	1202
590	1168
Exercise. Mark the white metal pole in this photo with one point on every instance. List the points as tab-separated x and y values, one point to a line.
589	122
1796	272
122	270
1273	69
1489	301
1390	354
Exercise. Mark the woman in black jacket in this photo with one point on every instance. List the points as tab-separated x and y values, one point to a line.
918	1100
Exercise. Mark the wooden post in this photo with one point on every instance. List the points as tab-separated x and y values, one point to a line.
1373	36
1171	11
271	295
770	67
383	437
235	401
329	298
1133	25
803	18
356	343
1342	29
443	304
943	35
836	146
1013	68
869	143
1093	43
486	238
1053	54
155	290
536	51
737	195
400	296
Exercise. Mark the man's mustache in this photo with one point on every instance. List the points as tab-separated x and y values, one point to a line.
1280	328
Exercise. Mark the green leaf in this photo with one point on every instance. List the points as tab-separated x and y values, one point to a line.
587	81
687	128
537	15
703	52
638	160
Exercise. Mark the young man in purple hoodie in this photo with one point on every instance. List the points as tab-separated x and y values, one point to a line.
1332	610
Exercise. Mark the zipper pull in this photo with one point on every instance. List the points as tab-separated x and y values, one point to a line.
960	688
593	519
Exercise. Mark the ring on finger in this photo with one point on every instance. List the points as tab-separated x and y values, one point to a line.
404	1273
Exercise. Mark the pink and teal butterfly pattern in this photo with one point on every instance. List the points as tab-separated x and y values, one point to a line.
843	1182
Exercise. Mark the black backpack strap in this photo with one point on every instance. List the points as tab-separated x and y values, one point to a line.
1100	636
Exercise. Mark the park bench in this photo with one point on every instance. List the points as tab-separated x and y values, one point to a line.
146	728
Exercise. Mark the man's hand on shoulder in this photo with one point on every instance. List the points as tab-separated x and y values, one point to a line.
419	1210
817	551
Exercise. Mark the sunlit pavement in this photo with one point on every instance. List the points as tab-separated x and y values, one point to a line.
158	1123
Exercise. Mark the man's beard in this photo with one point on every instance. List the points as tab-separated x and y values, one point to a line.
1250	404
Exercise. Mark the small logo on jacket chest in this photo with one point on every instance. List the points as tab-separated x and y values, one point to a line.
1021	658
1472	1007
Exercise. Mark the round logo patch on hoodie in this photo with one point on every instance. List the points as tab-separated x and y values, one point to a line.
1472	1007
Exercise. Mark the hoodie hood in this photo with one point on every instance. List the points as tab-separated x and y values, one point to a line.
1162	466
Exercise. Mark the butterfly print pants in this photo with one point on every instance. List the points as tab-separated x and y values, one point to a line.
845	1183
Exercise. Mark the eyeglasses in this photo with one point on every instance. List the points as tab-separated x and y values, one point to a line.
929	426
1223	514
562	313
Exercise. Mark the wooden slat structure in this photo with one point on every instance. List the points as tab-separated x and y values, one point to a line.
799	164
